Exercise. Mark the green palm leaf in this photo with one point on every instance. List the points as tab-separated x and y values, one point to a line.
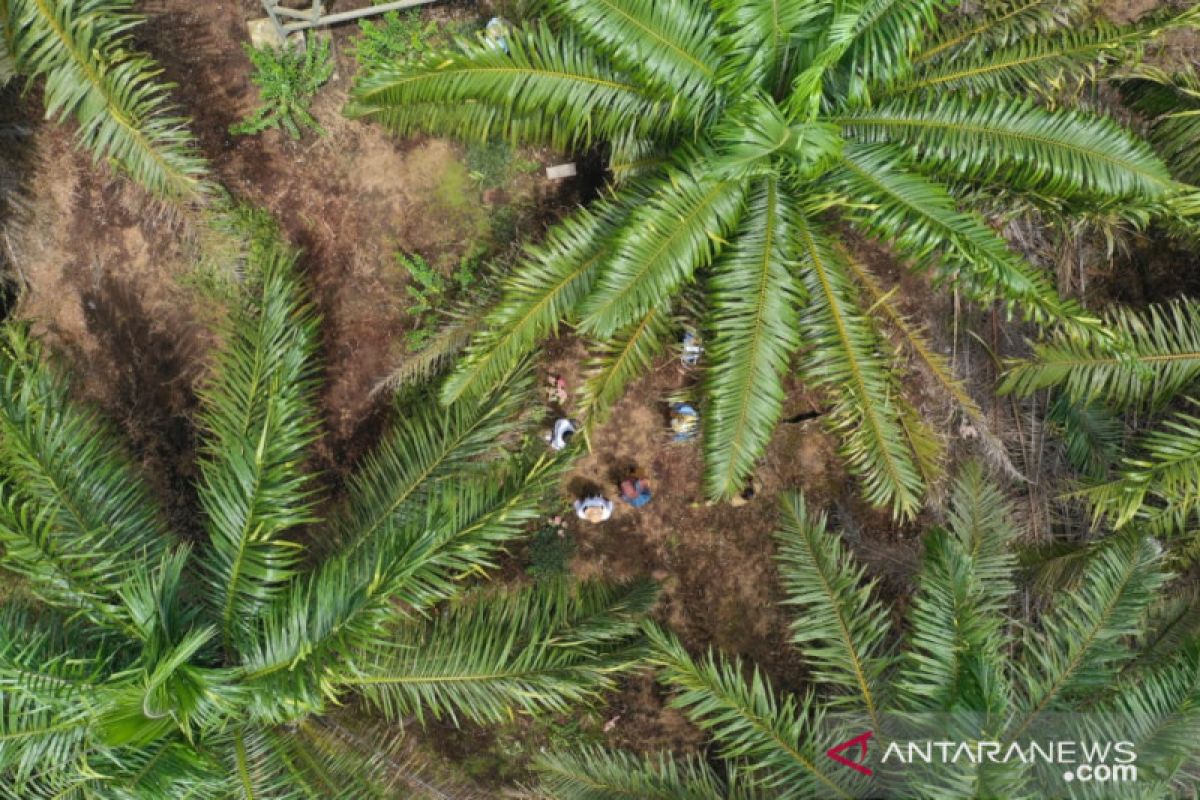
428	449
75	517
1001	26
839	627
887	35
81	48
755	333
671	46
576	96
919	217
316	636
955	658
843	358
552	279
1065	153
258	418
679	230
1082	642
1172	102
539	648
1160	485
762	37
46	700
1163	358
1044	60
619	361
774	735
593	773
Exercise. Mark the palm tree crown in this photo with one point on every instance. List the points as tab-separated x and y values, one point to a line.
147	670
972	668
745	136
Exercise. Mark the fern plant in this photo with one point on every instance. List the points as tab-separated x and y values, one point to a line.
287	79
143	665
82	50
741	136
971	667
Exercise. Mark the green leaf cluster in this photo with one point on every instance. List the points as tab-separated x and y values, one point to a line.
745	139
137	664
287	79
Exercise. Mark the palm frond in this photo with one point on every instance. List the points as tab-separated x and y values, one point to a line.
314	636
258	418
919	217
761	38
1173	624
620	361
75	517
754	320
541	648
1162	358
843	358
1172	102
1058	59
82	49
670	46
1159	487
8	70
1083	641
544	288
776	736
168	769
547	83
840	628
1091	434
885	38
1063	153
429	448
1002	25
1159	711
676	232
595	773
46	700
955	660
914	340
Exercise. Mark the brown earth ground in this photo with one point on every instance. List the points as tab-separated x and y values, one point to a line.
111	284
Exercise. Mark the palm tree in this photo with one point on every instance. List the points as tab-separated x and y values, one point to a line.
745	136
1156	485
83	51
142	665
973	668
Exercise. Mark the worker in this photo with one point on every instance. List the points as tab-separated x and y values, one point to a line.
556	389
635	491
692	350
685	420
594	508
560	435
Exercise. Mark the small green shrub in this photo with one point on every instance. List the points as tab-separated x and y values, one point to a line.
400	38
431	292
488	164
287	79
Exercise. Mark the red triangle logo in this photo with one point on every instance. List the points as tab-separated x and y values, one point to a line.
860	742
